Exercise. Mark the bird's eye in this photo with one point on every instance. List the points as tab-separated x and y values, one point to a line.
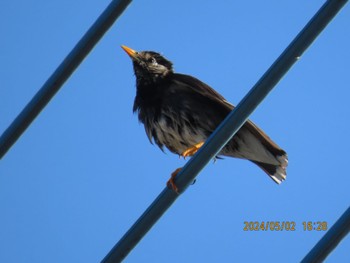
152	60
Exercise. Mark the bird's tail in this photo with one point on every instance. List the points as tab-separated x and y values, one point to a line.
276	166
253	144
278	172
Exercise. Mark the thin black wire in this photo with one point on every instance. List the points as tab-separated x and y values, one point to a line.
330	240
226	130
61	74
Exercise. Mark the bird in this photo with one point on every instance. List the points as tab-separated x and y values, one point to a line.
180	112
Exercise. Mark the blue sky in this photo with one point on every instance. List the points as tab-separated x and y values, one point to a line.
84	171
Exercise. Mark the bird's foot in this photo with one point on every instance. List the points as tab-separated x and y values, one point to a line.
192	150
171	184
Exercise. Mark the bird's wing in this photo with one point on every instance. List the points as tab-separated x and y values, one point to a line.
206	91
203	89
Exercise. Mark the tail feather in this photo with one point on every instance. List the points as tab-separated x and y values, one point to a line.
253	144
276	172
276	168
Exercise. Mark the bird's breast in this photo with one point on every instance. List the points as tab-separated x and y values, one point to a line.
175	131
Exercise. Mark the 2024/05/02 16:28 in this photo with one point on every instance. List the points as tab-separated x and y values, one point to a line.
284	226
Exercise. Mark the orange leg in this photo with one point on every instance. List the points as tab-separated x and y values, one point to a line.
189	152
171	184
192	150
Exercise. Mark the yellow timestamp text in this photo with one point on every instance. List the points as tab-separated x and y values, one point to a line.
284	226
315	226
269	226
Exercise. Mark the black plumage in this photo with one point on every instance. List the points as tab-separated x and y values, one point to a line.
179	111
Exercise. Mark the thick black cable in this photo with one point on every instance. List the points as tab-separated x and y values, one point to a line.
61	74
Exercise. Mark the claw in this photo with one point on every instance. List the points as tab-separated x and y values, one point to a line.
192	150
171	184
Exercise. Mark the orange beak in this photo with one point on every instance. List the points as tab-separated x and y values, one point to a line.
132	53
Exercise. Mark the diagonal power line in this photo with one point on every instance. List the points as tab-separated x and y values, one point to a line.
226	130
330	240
61	74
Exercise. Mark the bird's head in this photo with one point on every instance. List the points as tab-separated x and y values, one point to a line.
149	66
